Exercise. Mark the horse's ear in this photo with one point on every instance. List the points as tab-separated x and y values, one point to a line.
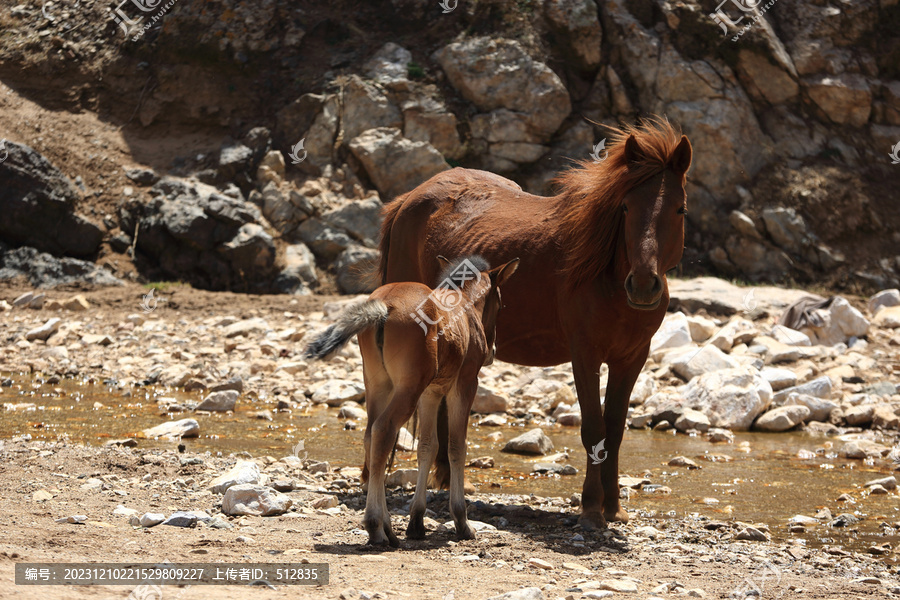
681	157
633	152
504	272
445	262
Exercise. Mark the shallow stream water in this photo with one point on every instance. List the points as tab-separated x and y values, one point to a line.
757	479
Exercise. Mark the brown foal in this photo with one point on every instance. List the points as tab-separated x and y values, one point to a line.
418	346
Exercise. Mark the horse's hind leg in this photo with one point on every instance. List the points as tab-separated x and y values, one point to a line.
428	406
378	391
459	403
377	519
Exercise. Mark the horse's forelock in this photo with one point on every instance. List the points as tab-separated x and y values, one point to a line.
593	193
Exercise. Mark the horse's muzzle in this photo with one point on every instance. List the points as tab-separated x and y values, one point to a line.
644	297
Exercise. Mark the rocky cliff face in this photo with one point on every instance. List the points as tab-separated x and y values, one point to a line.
322	113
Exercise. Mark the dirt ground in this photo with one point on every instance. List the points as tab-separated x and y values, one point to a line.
687	556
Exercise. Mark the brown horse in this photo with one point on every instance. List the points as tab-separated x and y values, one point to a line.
591	287
418	346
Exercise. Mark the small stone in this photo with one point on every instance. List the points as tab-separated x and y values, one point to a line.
877	490
529	593
540	564
151	519
256	500
692	419
696	593
405	478
174	429
325	502
283	485
683	461
74	519
123	511
492	421
352	411
648	532
752	534
720	436
782	418
219	401
125	443
619	586
41	496
181	519
44	331
76	303
531	442
570	419
482	462
245	471
888	483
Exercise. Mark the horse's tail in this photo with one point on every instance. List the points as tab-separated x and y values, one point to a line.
389	214
351	322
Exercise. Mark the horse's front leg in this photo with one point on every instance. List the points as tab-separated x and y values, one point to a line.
622	376
593	435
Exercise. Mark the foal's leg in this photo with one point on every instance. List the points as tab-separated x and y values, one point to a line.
622	376
428	406
378	390
593	431
377	519
459	402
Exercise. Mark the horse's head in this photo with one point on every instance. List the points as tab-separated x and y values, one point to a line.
653	224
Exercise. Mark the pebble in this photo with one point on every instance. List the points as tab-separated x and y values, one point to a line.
482	462
325	502
75	519
174	429
44	331
529	593
888	483
619	586
41	496
244	471
492	421
530	442
181	519
123	511
219	401
540	564
752	534
151	519
683	461
250	499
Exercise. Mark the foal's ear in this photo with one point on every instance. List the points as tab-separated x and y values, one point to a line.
445	262
633	152
504	272
681	157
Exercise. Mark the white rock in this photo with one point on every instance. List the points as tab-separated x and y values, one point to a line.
840	322
185	428
674	332
123	511
701	328
819	408
619	586
530	593
692	419
245	471
246	327
884	299
488	400
405	478
257	500
151	519
530	442
352	410
730	398
819	387
645	387
695	363
779	378
44	331
337	391
790	337
219	401
782	418
888	318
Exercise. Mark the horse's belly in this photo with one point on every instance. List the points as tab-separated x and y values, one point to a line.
536	350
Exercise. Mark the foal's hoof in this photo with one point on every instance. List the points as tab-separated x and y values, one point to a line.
465	533
592	521
415	530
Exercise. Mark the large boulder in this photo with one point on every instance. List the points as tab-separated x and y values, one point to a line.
45	270
731	398
577	28
193	232
523	102
395	164
298	274
355	269
37	203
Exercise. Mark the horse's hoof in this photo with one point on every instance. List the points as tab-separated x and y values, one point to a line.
415	531
620	516
467	533
377	540
592	522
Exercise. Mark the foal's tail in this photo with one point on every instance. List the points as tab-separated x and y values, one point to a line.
351	322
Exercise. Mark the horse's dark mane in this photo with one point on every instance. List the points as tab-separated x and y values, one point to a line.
592	194
478	262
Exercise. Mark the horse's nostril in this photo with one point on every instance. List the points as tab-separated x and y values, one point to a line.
629	283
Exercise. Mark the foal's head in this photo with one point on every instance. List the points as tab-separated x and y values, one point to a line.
481	286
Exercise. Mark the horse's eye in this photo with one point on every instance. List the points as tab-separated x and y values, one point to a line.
624	209
682	210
